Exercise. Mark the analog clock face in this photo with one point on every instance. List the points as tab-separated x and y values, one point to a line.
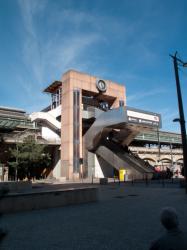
101	85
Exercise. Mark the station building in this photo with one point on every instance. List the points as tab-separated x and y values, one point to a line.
95	126
89	128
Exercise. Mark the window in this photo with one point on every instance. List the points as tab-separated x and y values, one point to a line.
76	128
121	103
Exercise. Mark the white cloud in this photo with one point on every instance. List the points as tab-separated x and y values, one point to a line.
146	93
68	38
58	51
31	52
47	55
28	10
67	43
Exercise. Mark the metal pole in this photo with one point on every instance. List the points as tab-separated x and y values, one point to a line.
92	174
158	139
171	153
182	120
16	170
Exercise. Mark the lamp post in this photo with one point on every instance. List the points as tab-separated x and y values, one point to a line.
171	153
158	141
16	169
176	62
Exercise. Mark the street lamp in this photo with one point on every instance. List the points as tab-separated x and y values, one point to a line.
158	141
176	120
176	62
171	153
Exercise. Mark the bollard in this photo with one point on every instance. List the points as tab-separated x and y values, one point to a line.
132	182
146	180
163	181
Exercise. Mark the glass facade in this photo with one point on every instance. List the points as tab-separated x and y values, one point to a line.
7	122
121	103
56	98
76	129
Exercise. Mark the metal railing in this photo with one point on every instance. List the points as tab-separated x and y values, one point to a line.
163	137
155	150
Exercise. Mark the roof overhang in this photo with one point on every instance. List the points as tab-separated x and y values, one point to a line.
53	87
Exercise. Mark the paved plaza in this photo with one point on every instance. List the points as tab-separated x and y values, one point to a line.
125	217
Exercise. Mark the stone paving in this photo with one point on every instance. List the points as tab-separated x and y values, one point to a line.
125	217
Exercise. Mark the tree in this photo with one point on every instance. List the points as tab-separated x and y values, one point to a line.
30	159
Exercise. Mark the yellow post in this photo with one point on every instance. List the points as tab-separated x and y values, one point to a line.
121	174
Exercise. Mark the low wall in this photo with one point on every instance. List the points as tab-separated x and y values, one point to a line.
16	186
47	199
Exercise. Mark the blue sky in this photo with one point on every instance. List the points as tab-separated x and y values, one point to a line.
125	41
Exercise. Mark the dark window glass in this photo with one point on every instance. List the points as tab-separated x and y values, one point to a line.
76	127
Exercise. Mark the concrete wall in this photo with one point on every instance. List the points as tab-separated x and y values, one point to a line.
12	186
49	135
98	170
57	164
47	199
55	112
